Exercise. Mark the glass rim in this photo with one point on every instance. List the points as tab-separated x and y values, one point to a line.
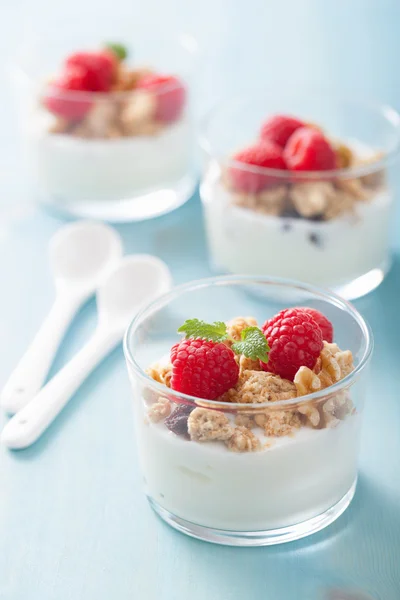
185	40
390	114
330	297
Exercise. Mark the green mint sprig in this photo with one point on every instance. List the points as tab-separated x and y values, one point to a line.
119	50
253	344
214	332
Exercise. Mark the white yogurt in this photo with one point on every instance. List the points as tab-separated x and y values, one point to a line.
73	169
330	253
297	478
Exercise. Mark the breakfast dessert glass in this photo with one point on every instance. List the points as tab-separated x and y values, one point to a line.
249	489
328	228
121	155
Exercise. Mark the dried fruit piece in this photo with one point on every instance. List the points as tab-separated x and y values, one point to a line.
177	422
205	425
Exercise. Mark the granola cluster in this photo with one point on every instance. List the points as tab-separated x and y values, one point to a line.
125	111
256	386
316	200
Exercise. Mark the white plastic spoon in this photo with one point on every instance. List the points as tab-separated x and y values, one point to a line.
134	282
81	254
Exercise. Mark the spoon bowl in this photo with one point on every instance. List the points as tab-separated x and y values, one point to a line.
133	282
81	252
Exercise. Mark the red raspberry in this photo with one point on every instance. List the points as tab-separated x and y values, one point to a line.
295	340
308	150
170	94
324	324
264	154
279	128
68	105
203	369
101	68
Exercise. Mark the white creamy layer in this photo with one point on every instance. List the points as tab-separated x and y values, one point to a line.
73	169
322	253
297	478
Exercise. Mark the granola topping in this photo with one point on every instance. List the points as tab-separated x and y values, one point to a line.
160	410
205	425
243	430
243	440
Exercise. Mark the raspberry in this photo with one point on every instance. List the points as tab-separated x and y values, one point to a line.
101	68
308	150
324	324
69	106
295	340
264	154
203	369
170	94
279	128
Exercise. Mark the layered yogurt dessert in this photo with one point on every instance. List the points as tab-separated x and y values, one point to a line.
104	129
298	203
251	433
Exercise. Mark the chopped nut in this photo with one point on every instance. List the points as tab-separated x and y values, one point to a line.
128	79
248	364
60	125
161	373
311	413
353	188
333	365
281	422
205	425
137	115
312	199
271	201
306	381
376	178
342	203
260	386
238	324
243	420
243	440
344	156
160	410
336	408
101	118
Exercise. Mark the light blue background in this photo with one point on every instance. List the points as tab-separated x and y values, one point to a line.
74	524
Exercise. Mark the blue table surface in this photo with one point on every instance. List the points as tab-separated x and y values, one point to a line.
74	524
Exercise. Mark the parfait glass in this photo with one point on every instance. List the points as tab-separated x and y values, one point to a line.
288	487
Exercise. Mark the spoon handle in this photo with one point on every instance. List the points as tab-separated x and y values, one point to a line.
31	371
24	428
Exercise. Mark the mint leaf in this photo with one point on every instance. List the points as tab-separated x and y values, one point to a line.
214	332
254	344
119	50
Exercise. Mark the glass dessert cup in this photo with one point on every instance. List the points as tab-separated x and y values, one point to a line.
114	158
297	480
327	228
